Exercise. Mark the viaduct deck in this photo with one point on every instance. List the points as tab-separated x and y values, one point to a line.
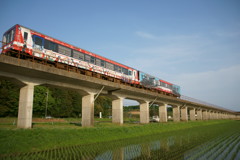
28	74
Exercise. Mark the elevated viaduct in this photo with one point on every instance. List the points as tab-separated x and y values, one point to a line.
29	74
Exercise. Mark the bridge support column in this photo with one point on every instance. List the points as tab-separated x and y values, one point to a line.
192	114
199	114
25	106
163	113
117	110
212	116
184	114
205	114
209	115
222	115
176	113
144	112
88	110
216	115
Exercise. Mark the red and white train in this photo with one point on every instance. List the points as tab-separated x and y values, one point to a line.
19	38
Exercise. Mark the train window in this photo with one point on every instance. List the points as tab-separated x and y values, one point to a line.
78	55
109	66
102	63
120	69
25	36
164	84
12	35
38	41
98	62
87	58
117	68
64	50
129	72
9	36
50	45
4	38
125	71
92	60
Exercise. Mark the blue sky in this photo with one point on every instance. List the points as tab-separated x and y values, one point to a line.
192	43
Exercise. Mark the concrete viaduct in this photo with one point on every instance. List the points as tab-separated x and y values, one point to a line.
29	74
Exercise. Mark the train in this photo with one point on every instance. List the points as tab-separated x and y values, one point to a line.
40	46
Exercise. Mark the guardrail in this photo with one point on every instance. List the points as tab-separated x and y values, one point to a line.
183	97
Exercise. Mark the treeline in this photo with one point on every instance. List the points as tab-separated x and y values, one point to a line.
55	102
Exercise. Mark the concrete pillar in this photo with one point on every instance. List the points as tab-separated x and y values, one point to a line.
199	114
213	115
209	115
144	112
88	110
192	114
222	116
176	113
117	110
163	113
216	115
25	106
205	115
184	114
229	116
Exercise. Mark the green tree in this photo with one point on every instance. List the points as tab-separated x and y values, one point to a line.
76	103
102	104
9	97
40	100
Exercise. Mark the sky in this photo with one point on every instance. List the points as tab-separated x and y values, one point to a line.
191	43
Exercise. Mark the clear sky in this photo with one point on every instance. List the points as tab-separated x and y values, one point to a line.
192	43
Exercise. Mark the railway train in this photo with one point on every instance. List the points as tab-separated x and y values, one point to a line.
43	47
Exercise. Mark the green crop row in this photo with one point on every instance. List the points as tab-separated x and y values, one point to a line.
223	147
183	143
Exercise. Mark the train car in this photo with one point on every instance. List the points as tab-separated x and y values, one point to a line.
41	46
158	84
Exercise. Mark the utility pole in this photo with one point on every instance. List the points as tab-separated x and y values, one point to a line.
46	104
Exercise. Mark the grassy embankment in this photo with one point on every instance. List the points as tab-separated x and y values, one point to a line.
57	134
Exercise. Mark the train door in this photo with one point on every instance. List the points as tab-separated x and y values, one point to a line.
135	76
28	42
38	43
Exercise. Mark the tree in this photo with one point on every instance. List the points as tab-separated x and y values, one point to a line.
102	104
9	97
76	104
40	100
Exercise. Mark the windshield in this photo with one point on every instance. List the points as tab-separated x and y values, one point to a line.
8	36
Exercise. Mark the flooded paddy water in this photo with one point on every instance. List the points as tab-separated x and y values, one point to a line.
205	142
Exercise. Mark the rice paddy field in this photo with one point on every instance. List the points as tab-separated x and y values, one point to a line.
106	141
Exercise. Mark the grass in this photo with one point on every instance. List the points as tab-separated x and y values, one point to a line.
45	136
